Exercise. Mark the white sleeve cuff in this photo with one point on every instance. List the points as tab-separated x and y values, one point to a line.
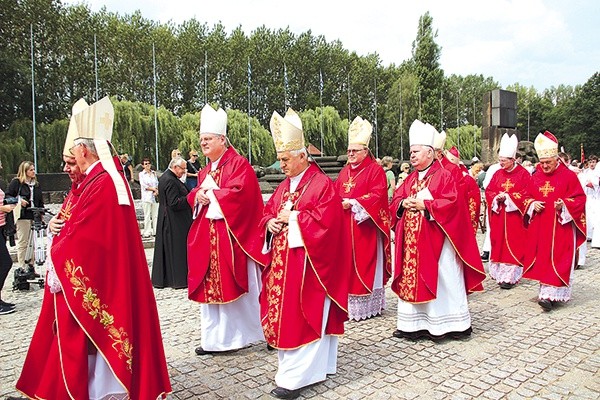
214	211
294	235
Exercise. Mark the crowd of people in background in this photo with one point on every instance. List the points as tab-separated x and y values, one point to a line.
266	272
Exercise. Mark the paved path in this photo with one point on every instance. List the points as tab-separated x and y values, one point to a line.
517	351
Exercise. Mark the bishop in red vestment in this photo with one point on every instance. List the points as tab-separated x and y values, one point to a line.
466	185
98	334
224	251
506	195
437	265
557	224
305	291
362	185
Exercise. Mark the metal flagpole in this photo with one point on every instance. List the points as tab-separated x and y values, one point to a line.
155	108
441	111
474	132
35	163
249	132
321	101
285	88
205	78
96	65
420	103
349	120
457	123
401	141
375	106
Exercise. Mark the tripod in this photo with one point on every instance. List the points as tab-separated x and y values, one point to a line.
36	250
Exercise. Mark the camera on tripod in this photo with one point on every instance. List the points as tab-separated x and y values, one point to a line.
35	247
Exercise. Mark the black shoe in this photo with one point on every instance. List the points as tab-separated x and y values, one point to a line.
201	352
506	285
6	310
269	347
398	334
282	393
485	256
5	304
545	304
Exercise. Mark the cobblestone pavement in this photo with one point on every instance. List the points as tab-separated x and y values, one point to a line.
517	351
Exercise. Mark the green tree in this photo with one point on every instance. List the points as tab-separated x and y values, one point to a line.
425	57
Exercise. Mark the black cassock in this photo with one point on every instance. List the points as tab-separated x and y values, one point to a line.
169	268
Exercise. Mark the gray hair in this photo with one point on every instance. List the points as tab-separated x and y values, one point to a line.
299	151
176	161
89	143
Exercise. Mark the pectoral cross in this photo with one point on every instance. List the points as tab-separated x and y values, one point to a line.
349	185
508	185
546	189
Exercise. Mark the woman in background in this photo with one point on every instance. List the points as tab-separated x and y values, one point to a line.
26	187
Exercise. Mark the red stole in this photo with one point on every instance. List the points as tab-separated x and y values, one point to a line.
106	300
366	184
297	280
419	241
551	247
507	230
218	249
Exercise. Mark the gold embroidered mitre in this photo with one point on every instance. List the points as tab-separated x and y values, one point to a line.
359	132
78	107
439	140
546	145
287	131
212	121
96	121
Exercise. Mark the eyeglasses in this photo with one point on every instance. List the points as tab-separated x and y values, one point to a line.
194	155
350	151
145	163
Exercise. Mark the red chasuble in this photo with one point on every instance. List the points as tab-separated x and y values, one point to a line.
551	246
419	240
366	184
297	280
467	190
218	249
507	230
106	304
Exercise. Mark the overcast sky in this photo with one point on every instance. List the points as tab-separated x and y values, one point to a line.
540	43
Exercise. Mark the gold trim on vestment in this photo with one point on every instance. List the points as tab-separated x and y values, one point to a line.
97	310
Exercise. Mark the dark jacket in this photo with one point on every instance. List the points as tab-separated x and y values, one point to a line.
16	188
169	268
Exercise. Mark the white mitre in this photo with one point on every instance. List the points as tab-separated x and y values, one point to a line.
508	146
420	134
212	121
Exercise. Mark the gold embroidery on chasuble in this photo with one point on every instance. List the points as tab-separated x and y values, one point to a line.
507	185
546	189
410	263
276	280
66	211
473	212
213	292
99	311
